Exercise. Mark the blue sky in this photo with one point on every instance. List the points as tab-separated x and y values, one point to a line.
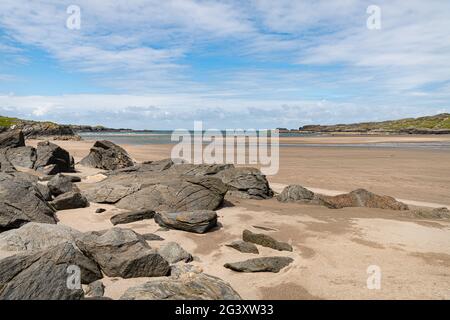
232	64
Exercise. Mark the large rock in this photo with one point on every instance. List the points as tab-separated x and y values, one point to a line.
186	286
12	139
60	184
265	241
52	159
148	166
123	253
198	221
5	165
37	236
22	157
108	156
246	183
361	198
243	246
22	202
267	264
174	253
294	193
70	200
43	275
128	217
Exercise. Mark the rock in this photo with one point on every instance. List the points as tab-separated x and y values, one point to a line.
123	253
22	156
128	217
5	165
108	156
361	198
181	269
266	264
95	289
174	253
60	184
148	166
12	139
295	193
246	183
188	286
52	159
45	191
44	275
22	202
37	236
188	169
437	213
70	200
243	246
100	210
198	221
152	237
265	241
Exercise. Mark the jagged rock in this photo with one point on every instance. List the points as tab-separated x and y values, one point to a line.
45	191
108	156
52	159
22	156
128	217
123	253
246	183
12	139
152	237
43	275
148	166
95	289
188	286
70	200
5	165
361	198
295	193
266	264
22	202
265	241
243	246
198	221
60	184
174	253
37	236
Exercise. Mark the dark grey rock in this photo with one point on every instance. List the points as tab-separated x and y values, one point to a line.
12	139
128	217
100	210
294	193
5	165
45	191
70	200
267	264
198	221
95	289
60	184
52	159
174	253
243	246
107	156
22	156
265	241
152	237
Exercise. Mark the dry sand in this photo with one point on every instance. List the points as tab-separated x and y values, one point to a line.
332	248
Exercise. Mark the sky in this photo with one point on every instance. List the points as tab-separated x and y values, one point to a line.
261	64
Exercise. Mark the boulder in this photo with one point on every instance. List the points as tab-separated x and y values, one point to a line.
44	275
37	236
12	139
22	156
187	286
361	198
148	166
22	202
5	165
265	241
52	159
294	193
197	221
123	253
247	183
60	184
70	200
107	156
266	264
45	191
128	217
174	253
95	289
243	246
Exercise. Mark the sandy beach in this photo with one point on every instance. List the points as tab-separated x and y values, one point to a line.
332	248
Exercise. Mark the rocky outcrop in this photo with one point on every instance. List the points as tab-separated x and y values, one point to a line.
22	202
174	253
12	139
294	193
37	236
197	221
52	159
43	275
265	241
128	217
123	253
107	156
70	200
243	246
266	264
